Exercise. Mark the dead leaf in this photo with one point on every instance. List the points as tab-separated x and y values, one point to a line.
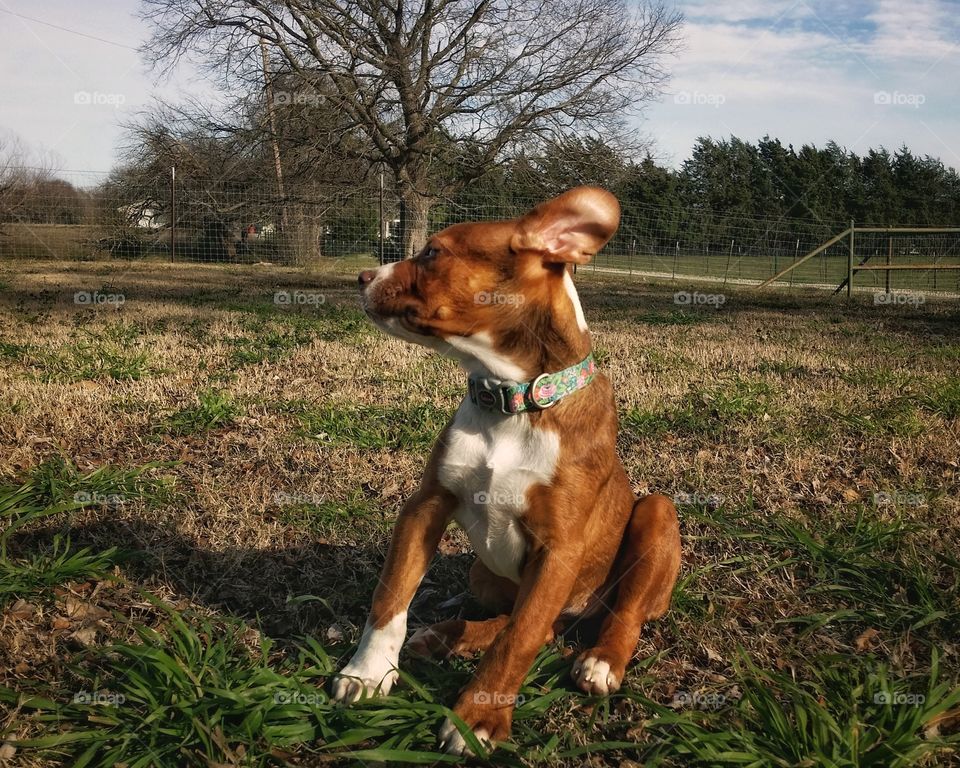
61	622
22	610
851	495
948	721
712	655
864	641
86	636
79	610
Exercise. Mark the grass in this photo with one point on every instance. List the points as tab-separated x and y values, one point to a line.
323	516
828	269
844	715
856	564
212	410
373	426
113	352
197	490
673	318
63	563
53	490
706	409
944	399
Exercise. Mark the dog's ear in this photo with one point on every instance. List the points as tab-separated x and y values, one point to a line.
570	228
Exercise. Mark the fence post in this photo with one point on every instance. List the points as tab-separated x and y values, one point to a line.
889	262
173	212
850	263
383	233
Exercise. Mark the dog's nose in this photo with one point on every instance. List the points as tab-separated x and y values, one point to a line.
366	277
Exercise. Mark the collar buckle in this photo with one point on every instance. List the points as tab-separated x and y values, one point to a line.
489	395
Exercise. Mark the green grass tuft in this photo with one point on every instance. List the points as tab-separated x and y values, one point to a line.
848	712
375	426
213	410
944	399
706	410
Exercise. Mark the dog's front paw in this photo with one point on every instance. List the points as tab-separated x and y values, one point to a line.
596	674
373	668
356	682
488	714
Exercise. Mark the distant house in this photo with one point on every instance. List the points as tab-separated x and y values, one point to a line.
142	216
392	227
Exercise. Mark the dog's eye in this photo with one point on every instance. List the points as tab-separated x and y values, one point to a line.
430	254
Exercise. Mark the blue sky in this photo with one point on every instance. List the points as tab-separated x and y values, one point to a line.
862	72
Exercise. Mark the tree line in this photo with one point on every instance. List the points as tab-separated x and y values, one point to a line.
729	191
737	178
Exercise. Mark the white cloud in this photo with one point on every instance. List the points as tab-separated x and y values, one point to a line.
924	30
746	10
811	74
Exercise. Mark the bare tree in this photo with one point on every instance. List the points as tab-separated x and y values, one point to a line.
22	173
419	81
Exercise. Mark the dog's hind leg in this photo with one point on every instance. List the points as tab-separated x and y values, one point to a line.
495	593
459	637
646	571
456	637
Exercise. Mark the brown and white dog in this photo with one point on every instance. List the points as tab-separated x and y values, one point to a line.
541	493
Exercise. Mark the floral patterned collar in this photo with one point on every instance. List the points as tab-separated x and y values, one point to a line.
537	395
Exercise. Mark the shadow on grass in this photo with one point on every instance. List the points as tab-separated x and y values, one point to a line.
290	591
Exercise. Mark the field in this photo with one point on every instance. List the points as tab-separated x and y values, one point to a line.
198	481
827	270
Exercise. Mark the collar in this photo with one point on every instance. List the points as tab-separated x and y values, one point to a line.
543	392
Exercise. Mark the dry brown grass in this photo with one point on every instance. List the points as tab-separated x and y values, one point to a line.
794	409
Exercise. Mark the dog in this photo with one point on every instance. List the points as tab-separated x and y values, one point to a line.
527	467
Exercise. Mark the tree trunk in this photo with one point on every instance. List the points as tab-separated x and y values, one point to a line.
414	220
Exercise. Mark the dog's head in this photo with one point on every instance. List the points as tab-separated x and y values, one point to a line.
498	296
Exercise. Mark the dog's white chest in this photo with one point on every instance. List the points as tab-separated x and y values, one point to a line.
491	461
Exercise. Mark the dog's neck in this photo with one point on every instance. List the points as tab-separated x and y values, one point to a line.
543	337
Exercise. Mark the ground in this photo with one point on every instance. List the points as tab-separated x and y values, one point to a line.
198	479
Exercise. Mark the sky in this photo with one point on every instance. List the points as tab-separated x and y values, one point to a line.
863	73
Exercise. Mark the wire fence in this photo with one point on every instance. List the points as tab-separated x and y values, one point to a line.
200	220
